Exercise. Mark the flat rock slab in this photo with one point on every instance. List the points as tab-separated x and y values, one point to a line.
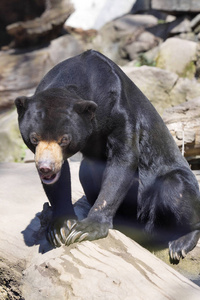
112	268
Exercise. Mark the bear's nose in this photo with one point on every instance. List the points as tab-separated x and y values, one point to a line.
45	168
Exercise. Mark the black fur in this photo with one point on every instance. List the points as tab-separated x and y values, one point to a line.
129	155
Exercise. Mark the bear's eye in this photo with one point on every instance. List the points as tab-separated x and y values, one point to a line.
34	139
65	140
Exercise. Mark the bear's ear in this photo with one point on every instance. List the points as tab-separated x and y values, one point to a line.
20	104
86	107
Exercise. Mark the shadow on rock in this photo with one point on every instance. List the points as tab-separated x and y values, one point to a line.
35	232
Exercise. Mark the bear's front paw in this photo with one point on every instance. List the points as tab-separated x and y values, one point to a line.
87	230
59	230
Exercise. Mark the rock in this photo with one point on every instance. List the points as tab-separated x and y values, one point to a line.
195	21
163	88
44	28
179	56
139	44
112	268
166	29
183	26
141	6
15	11
144	6
93	14
21	72
183	121
155	83
12	147
185	90
113	37
176	6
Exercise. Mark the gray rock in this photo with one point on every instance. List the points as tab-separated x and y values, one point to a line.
155	83
141	6
163	88
94	13
183	121
195	22
12	147
176	6
20	73
179	56
112	37
185	90
183	26
44	27
139	44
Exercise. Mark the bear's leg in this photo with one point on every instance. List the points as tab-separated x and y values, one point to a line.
90	175
172	203
59	195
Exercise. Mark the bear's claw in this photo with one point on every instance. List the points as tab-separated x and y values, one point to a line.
179	248
72	231
75	236
59	231
175	252
87	230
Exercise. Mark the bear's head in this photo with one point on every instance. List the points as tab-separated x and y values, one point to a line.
54	124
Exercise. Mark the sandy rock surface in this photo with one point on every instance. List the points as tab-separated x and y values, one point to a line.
111	268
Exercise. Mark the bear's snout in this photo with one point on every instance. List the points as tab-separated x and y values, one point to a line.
49	160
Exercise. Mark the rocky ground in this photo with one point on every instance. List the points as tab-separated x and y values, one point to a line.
111	268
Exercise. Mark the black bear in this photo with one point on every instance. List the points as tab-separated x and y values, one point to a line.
87	104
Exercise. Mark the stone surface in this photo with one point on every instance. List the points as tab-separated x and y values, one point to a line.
183	121
195	21
21	72
112	268
139	44
163	88
167	29
44	28
13	11
178	56
112	38
175	6
185	90
94	13
155	83
12	147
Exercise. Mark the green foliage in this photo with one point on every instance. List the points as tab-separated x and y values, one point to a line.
142	60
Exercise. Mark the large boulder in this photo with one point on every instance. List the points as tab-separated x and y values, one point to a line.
183	121
21	72
116	38
178	56
185	90
155	83
176	6
44	28
134	46
93	14
12	147
15	11
163	88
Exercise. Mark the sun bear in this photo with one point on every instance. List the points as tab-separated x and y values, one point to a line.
87	104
